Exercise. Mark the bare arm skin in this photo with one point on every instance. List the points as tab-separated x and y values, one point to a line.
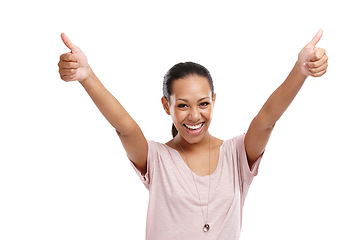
312	61
73	66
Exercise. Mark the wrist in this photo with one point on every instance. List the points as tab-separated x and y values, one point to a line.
88	77
301	70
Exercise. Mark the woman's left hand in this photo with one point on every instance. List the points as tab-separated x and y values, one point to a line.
313	61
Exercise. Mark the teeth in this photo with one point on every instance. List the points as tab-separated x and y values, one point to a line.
194	127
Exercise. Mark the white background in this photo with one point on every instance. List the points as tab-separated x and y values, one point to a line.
63	171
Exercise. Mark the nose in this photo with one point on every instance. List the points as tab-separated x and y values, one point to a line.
194	115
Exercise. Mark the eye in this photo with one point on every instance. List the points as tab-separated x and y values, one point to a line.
204	104
182	105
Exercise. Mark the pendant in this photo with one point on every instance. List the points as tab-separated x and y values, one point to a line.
206	227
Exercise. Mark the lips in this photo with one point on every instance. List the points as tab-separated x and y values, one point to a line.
194	129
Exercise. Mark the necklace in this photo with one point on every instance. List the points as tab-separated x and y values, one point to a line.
206	226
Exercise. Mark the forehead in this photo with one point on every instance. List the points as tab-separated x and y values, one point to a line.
191	86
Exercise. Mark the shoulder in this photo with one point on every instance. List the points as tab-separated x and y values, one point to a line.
216	143
156	146
171	143
158	150
235	141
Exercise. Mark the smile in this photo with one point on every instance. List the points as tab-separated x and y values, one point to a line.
194	127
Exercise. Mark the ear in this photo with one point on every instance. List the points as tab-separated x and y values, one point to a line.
165	104
214	98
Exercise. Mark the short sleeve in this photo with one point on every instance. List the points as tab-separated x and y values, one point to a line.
246	175
150	162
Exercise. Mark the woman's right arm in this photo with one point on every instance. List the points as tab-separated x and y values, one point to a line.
73	66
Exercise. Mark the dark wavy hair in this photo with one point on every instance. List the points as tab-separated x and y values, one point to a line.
183	70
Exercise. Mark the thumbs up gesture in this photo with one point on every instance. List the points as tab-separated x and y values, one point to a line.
73	66
313	61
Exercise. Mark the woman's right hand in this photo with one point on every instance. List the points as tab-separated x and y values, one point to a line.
73	66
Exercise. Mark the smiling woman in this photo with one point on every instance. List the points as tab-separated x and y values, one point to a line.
181	71
191	106
197	183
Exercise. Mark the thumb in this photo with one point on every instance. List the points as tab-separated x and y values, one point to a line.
69	44
315	40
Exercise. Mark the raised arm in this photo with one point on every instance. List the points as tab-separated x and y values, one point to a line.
311	61
74	66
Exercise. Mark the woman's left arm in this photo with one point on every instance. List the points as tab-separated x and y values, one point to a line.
311	61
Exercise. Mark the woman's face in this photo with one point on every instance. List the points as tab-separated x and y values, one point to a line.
190	106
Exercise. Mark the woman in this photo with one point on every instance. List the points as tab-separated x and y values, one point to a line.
197	183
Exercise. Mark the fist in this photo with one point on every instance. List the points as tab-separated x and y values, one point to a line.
73	66
313	61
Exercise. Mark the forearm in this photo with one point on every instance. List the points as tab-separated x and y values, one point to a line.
108	105
311	61
282	97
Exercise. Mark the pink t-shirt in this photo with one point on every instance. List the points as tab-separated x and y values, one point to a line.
174	210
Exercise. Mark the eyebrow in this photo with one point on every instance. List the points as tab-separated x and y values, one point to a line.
185	100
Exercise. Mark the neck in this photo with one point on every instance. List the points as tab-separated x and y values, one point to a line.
204	143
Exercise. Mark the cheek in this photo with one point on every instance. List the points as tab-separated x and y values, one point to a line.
208	113
176	115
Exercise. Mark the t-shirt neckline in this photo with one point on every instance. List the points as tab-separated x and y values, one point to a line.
185	166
